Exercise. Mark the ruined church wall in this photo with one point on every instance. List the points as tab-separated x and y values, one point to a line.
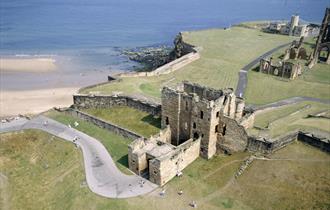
108	101
163	169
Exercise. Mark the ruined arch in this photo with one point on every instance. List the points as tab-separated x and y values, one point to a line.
324	52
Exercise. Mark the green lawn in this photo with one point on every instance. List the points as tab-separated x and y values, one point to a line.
224	53
140	122
292	117
115	144
38	171
264	89
302	182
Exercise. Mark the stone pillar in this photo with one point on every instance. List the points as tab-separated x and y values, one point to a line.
239	109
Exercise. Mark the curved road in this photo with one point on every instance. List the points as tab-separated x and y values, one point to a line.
102	175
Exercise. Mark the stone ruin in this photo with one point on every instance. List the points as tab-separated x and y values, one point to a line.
294	27
322	49
288	67
196	121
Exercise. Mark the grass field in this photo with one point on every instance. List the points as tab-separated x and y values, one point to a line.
300	181
115	144
140	122
224	53
293	117
39	171
263	88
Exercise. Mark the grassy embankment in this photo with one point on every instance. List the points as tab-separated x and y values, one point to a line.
140	122
39	171
292	117
224	53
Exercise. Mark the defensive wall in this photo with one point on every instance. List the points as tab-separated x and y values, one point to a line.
107	101
165	69
102	124
258	144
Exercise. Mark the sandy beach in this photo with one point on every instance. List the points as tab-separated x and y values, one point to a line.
27	64
34	101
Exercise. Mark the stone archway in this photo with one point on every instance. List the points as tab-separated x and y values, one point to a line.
324	53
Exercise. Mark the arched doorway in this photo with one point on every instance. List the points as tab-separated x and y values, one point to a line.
324	54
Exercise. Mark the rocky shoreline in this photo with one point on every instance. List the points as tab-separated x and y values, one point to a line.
151	58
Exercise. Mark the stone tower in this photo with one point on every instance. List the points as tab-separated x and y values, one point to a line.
294	22
194	111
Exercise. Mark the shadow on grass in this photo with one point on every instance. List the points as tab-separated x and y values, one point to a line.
123	161
154	121
256	69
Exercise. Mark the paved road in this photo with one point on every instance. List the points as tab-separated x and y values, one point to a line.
242	81
102	175
288	101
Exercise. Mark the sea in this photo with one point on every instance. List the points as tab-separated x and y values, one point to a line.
87	37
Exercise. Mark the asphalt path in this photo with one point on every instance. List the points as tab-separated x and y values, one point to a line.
242	81
102	175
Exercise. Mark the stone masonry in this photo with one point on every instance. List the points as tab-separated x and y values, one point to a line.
196	121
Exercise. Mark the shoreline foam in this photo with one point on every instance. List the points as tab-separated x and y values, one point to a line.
24	64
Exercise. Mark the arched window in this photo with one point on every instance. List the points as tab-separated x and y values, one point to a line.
196	136
167	121
216	128
194	125
224	129
202	114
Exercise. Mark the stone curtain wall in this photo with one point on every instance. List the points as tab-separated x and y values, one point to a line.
103	124
107	101
319	142
167	68
267	146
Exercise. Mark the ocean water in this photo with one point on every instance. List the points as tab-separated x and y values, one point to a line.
93	32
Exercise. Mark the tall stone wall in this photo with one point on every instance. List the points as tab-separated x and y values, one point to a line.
103	124
232	136
164	168
106	101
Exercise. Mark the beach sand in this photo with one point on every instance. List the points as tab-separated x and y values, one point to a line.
27	64
34	101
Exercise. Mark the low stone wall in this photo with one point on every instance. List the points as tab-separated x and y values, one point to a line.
165	69
268	146
107	101
103	124
314	140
